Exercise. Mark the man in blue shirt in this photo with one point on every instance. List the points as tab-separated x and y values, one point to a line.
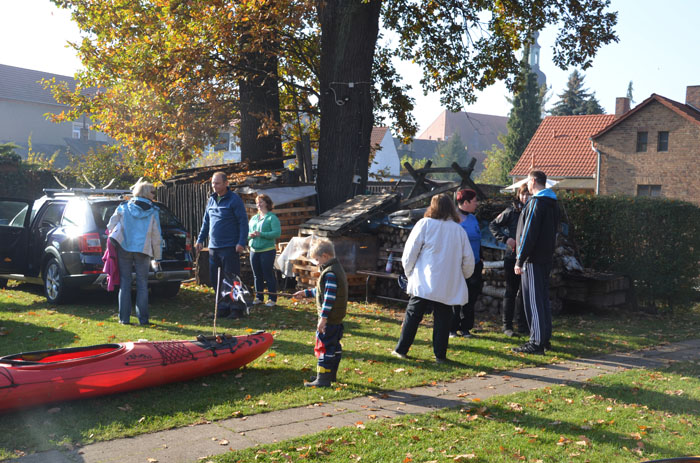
225	223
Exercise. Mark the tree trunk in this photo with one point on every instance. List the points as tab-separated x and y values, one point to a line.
348	38
260	109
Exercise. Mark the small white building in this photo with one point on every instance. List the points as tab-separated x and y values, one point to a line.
386	159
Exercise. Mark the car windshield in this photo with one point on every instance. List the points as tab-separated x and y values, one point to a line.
103	210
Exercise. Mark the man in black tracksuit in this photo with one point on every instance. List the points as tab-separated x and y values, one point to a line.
535	242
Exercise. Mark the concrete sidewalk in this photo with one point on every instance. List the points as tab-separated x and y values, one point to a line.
190	444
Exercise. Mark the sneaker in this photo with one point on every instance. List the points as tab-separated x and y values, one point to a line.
453	334
510	333
270	303
468	335
529	348
440	361
399	355
547	346
257	301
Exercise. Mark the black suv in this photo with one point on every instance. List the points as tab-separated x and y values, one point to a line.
58	241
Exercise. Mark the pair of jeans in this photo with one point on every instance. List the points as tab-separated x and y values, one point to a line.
463	315
513	310
417	307
263	272
328	349
226	259
138	262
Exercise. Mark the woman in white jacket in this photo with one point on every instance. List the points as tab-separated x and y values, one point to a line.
437	260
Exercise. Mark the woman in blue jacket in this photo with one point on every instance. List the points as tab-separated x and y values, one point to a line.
135	227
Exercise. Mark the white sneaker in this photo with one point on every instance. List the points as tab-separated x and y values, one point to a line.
270	303
257	301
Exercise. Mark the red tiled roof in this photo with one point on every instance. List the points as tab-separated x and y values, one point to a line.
377	136
561	146
684	110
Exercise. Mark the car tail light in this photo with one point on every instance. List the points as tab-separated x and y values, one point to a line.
90	242
188	243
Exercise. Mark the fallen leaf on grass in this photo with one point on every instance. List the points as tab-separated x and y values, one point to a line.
466	456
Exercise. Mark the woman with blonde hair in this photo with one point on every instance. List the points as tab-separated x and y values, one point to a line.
437	259
135	228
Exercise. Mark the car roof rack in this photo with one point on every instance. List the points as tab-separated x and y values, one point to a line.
52	192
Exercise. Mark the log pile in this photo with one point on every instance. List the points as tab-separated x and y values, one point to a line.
390	244
563	287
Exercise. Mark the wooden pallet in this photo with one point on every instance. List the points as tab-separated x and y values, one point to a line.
291	215
307	275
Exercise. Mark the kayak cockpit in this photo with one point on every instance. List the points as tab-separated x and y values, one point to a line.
69	354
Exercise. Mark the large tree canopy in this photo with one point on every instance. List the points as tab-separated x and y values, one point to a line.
169	71
169	74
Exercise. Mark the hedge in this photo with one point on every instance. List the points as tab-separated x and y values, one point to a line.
654	241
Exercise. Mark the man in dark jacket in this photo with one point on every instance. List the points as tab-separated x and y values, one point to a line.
536	239
504	229
225	223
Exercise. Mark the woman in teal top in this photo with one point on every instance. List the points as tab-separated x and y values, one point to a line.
264	228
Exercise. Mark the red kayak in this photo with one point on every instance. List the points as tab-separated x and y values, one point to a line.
34	378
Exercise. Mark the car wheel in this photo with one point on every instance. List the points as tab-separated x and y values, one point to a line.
166	289
54	282
3	283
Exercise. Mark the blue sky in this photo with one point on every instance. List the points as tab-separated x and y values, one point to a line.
657	51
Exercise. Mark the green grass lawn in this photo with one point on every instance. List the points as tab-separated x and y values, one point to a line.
275	380
633	416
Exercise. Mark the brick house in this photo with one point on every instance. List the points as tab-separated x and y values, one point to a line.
653	149
561	148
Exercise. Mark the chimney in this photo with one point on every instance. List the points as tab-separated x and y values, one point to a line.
622	106
692	96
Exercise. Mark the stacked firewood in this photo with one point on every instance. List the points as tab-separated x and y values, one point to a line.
392	239
390	242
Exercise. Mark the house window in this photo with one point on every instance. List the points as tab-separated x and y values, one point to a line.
662	144
649	190
641	142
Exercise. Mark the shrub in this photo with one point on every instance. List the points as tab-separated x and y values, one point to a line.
655	241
